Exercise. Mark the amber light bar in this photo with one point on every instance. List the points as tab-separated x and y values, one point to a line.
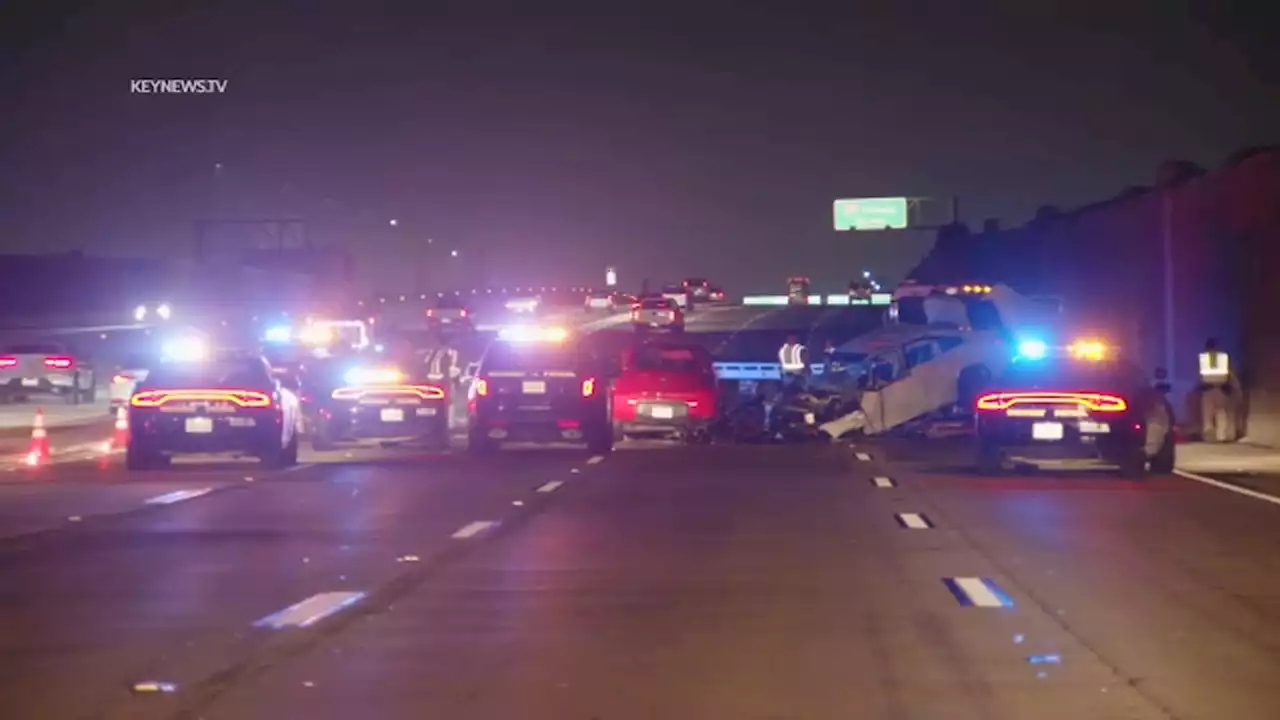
426	392
1096	402
242	398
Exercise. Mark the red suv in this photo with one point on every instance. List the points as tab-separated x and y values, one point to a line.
665	389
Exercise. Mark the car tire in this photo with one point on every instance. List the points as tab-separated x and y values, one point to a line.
990	459
139	458
677	328
279	457
601	441
1166	457
619	432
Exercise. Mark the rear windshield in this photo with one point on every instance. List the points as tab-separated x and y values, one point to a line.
246	373
532	357
451	302
1071	375
696	282
34	349
655	304
670	359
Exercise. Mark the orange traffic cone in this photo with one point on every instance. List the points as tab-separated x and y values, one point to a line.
39	451
120	438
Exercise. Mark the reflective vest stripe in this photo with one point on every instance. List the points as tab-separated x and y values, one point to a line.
1214	365
792	357
438	365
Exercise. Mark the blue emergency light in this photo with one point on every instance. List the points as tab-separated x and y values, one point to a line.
278	334
1032	349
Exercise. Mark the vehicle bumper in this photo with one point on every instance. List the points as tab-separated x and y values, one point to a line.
172	438
43	385
1015	440
532	430
367	422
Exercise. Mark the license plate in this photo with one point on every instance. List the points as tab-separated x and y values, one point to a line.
426	411
1089	426
30	382
392	415
1046	431
199	425
662	411
533	387
239	422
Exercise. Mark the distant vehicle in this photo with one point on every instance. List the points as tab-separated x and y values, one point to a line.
153	312
798	291
375	400
539	385
698	288
128	374
46	369
523	304
1074	404
717	295
679	295
606	300
450	313
657	312
222	405
861	289
665	389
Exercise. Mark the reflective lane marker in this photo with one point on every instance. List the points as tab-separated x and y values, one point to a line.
883	482
1228	486
310	611
178	496
977	592
913	521
550	487
595	459
475	528
863	457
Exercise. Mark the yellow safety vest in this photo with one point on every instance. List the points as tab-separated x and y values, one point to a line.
1215	366
791	357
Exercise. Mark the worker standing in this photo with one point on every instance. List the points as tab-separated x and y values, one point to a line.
793	357
1217	399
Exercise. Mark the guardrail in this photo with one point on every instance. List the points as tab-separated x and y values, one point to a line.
757	371
838	300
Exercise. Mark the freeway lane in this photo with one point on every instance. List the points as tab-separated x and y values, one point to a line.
704	582
170	592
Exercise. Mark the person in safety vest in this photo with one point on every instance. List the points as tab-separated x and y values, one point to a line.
1217	399
794	358
444	365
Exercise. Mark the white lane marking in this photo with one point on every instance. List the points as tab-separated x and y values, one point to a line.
595	459
914	521
882	482
310	611
1228	486
474	528
178	496
981	592
863	457
550	487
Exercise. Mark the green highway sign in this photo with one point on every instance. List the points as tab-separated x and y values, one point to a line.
888	213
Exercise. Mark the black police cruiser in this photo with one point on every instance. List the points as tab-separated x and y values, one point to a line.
371	399
219	405
539	385
1075	406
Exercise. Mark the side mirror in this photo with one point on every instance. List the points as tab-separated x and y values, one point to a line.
1163	387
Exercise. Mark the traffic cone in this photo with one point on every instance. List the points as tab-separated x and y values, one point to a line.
39	451
120	438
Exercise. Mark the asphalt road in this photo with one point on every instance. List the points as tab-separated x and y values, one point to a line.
792	581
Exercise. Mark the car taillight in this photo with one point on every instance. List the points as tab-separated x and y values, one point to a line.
1095	402
242	398
588	387
482	387
464	313
60	363
431	313
8	362
122	379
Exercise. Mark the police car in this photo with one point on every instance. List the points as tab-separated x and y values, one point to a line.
371	399
539	385
1079	405
212	405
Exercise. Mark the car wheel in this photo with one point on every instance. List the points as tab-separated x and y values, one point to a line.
481	445
601	441
291	451
990	459
619	433
1166	457
277	456
1132	465
138	458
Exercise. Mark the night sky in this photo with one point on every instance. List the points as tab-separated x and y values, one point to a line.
694	139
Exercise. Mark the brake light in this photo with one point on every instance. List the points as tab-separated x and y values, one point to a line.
1095	402
431	313
60	363
242	398
122	379
588	387
464	312
635	306
425	392
482	387
8	362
